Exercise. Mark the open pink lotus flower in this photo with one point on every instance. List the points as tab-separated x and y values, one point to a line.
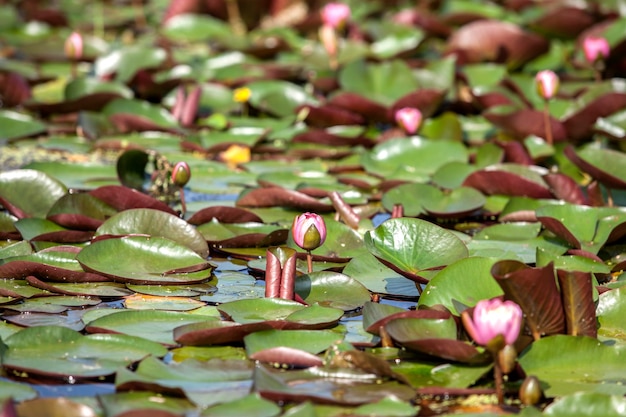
335	15
547	84
309	231
492	318
409	118
74	46
596	48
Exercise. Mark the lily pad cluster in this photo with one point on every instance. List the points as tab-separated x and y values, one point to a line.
129	299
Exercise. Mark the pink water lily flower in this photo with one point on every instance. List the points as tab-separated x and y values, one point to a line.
335	15
409	118
309	231
596	48
74	46
492	318
547	84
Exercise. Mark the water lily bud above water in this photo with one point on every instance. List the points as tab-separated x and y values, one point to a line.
409	118
335	15
181	174
309	231
530	392
547	84
596	48
493	318
74	46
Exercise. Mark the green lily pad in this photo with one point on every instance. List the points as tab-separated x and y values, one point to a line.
141	110
280	98
60	352
125	62
587	404
583	227
194	28
155	223
332	289
82	177
268	309
414	245
414	159
378	278
571	370
461	284
17	125
16	391
205	383
133	322
311	341
610	313
143	260
29	193
384	82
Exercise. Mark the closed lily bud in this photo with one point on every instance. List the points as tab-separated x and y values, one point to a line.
335	15
507	357
493	318
181	174
309	231
596	48
547	84
530	392
409	119
74	46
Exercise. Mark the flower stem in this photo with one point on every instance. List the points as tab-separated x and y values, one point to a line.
497	373
546	122
309	261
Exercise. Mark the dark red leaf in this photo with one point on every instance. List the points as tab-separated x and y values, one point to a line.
495	181
565	188
526	122
535	290
278	196
493	40
124	198
223	214
327	115
580	310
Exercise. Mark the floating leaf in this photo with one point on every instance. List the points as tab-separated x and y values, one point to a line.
143	260
29	193
59	352
158	224
414	245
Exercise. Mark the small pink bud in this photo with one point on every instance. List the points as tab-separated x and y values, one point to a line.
181	174
547	84
409	118
309	231
492	318
335	15
74	46
596	48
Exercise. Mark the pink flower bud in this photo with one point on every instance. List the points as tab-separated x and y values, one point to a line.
335	15
409	118
596	48
492	318
547	84
309	231
74	46
181	174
